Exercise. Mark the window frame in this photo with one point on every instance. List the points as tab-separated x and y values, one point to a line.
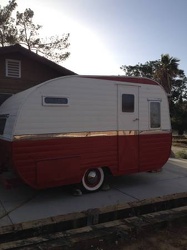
122	103
158	117
55	104
8	70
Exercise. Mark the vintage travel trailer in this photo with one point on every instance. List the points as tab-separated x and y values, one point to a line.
77	129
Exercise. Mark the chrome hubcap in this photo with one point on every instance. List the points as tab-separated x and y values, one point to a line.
92	177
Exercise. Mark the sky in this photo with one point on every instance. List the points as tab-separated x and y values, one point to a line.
106	34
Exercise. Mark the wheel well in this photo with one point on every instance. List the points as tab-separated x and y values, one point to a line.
107	171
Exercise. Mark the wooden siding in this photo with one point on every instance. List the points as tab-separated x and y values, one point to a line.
32	73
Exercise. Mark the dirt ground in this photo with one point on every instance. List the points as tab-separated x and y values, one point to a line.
171	238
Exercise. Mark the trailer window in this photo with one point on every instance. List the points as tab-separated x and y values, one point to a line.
51	100
155	117
3	119
127	103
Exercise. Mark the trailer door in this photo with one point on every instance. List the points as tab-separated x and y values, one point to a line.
128	128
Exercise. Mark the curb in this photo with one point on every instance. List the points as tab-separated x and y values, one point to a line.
127	218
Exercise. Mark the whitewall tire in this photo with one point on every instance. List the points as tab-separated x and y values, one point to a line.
93	179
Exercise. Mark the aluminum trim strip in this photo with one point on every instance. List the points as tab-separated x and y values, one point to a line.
89	134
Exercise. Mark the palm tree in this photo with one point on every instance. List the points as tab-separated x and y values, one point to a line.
167	70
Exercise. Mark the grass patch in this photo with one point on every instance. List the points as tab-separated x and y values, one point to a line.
181	154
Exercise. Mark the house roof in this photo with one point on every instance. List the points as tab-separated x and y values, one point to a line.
36	57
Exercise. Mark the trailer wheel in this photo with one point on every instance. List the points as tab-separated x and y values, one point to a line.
93	179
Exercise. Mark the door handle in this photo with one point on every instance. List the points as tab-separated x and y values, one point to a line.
137	119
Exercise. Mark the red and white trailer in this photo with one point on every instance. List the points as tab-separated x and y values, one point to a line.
74	129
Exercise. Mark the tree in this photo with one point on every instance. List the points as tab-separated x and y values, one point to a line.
141	70
166	71
58	45
28	31
179	89
25	32
8	31
52	47
179	116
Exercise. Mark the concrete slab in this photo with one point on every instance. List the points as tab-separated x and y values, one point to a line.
2	211
16	197
178	162
4	219
57	201
24	204
172	179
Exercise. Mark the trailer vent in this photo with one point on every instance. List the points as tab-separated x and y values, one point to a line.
3	119
55	101
13	68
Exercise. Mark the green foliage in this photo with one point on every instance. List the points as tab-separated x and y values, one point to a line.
58	44
141	70
164	70
179	116
25	32
28	31
8	31
181	154
167	71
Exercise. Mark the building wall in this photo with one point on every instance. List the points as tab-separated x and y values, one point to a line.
32	73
